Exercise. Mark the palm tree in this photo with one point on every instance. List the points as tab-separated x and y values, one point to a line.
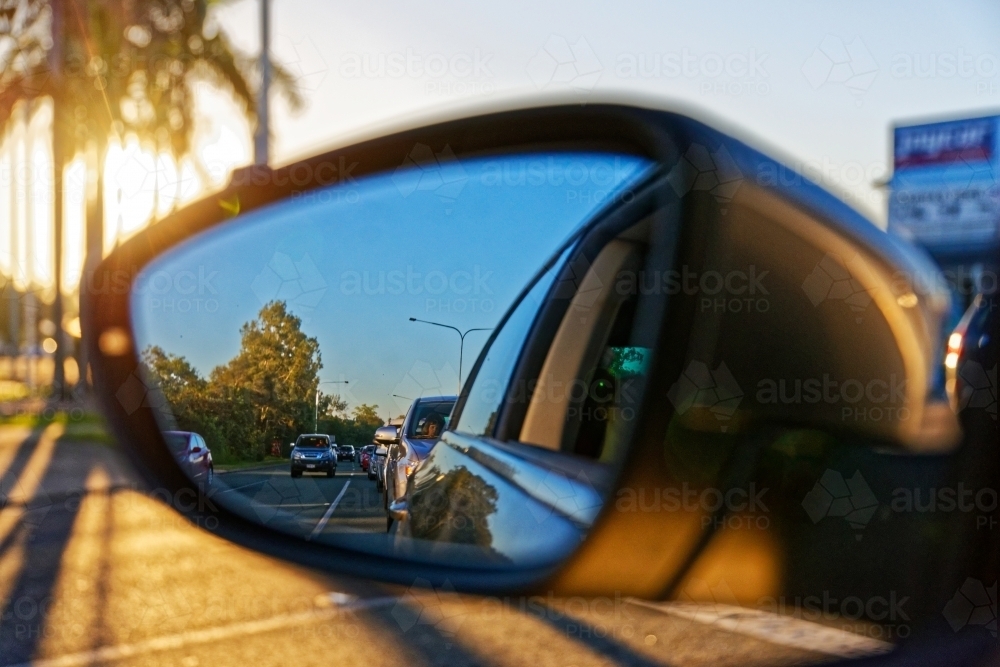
118	67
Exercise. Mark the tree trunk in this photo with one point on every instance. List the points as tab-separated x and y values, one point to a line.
30	298
95	252
11	291
58	167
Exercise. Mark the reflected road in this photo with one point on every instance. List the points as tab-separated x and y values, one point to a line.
314	504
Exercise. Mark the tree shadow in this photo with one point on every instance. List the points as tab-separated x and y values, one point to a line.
25	610
597	640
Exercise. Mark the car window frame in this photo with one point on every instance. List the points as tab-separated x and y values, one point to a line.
653	194
649	187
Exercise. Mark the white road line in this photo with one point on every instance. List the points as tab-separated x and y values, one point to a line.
184	639
326	517
774	628
237	488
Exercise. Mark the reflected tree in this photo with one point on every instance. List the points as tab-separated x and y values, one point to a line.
262	394
278	366
454	508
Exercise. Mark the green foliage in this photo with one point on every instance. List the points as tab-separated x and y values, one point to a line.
277	366
117	66
349	431
265	393
191	404
367	415
331	405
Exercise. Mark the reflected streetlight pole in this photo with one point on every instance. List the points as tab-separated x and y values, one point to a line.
461	345
405	398
316	409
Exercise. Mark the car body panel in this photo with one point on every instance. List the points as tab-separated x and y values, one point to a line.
520	508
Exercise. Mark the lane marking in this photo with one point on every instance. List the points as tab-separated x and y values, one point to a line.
184	639
326	517
774	628
237	488
252	469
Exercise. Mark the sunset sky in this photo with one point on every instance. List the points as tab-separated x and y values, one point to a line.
818	84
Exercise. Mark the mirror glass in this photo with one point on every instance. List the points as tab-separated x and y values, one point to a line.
275	345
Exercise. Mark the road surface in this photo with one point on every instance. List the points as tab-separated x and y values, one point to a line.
97	570
312	505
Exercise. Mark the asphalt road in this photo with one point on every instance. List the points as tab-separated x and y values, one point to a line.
97	570
312	505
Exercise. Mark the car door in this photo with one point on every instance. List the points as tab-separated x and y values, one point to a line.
196	456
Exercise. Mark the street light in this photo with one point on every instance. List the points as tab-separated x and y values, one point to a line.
405	398
461	345
316	409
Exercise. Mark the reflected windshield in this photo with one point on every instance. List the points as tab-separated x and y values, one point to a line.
431	420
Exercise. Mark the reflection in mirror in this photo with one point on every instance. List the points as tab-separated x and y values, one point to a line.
340	318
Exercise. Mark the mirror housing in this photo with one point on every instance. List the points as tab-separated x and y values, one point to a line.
623	540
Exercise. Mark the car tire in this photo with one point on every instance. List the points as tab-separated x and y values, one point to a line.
388	525
331	472
296	474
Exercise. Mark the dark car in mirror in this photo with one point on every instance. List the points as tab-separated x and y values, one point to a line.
193	455
314	453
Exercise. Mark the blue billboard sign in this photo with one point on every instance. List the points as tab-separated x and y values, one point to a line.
945	191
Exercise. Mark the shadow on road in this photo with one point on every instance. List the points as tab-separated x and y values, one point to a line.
25	610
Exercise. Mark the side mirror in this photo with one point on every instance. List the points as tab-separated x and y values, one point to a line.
590	397
386	435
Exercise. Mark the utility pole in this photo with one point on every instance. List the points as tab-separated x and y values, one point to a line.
261	140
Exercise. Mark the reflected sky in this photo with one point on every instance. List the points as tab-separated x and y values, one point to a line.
452	244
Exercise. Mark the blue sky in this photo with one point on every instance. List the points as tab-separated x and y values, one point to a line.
356	261
820	83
